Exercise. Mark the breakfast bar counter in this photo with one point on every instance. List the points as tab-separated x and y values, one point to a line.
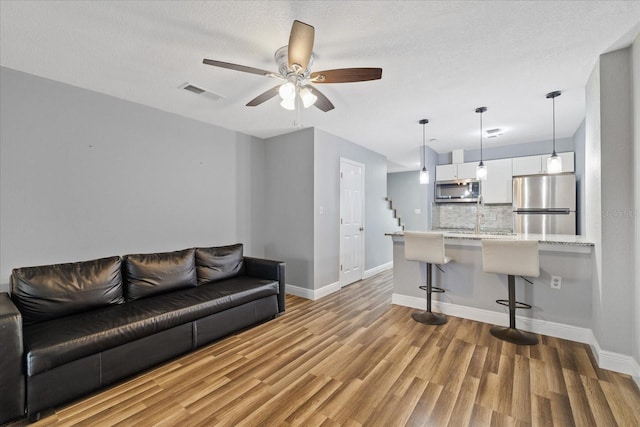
471	293
550	242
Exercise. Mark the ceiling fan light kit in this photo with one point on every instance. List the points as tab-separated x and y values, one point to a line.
294	62
481	169
554	162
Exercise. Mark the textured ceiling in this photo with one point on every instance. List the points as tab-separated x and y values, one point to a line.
441	60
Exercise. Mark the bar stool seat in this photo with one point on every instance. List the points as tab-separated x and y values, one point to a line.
513	258
427	247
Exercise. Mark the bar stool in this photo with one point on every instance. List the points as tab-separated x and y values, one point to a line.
427	247
511	257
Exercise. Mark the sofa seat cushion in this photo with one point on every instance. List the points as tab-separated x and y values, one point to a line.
59	341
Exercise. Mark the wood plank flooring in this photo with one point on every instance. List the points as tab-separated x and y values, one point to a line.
354	359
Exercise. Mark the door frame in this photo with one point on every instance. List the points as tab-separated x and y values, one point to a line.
341	279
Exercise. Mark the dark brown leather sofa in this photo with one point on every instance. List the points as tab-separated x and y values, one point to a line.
69	329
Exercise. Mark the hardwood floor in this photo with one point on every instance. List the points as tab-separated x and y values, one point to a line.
354	359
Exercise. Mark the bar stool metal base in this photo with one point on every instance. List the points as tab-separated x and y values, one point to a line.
513	335
429	318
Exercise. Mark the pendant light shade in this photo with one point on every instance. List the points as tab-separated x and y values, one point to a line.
424	176
554	162
424	173
481	169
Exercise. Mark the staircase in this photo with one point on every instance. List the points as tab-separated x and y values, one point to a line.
397	220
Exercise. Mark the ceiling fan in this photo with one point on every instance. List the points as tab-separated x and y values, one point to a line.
294	63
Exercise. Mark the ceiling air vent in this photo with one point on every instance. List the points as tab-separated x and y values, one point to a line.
194	89
199	90
492	133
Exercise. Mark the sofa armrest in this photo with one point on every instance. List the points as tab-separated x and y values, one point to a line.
268	269
12	382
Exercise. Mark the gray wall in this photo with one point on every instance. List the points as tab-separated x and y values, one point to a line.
302	176
635	67
288	217
609	218
408	194
327	199
328	150
84	175
579	150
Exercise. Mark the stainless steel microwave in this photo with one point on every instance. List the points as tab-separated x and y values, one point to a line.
458	191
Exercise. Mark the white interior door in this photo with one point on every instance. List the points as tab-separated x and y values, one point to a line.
351	221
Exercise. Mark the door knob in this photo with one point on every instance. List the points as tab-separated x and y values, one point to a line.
361	228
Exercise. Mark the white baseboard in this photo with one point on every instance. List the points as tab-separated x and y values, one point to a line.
606	359
553	329
615	361
379	269
312	294
326	290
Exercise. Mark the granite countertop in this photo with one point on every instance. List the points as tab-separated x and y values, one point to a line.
554	239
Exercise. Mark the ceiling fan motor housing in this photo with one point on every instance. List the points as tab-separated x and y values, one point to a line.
282	59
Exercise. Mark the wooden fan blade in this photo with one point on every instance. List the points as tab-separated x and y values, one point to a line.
300	44
322	102
346	75
237	67
265	96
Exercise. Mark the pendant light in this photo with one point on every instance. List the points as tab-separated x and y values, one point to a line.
424	173
481	169
554	162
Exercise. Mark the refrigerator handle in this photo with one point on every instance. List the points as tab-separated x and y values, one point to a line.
551	211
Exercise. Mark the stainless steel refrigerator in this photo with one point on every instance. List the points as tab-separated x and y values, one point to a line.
544	204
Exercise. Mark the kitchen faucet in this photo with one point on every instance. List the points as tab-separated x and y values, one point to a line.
479	204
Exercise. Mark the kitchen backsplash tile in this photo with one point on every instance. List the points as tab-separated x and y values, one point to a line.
462	216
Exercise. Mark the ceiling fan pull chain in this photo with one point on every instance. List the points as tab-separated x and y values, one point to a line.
298	122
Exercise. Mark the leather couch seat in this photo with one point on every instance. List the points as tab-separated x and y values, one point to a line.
56	342
70	329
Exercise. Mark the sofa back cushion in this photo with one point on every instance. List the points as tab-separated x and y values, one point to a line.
151	274
219	262
52	291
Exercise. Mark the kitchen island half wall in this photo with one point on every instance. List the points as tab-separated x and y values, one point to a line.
470	293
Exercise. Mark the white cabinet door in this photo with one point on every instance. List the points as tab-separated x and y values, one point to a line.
568	163
446	172
497	187
530	165
533	165
467	170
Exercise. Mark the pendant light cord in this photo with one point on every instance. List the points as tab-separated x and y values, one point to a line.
554	125
480	136
424	161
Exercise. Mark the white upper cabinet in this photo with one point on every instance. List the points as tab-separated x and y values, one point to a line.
497	187
467	170
446	172
456	171
534	165
530	165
